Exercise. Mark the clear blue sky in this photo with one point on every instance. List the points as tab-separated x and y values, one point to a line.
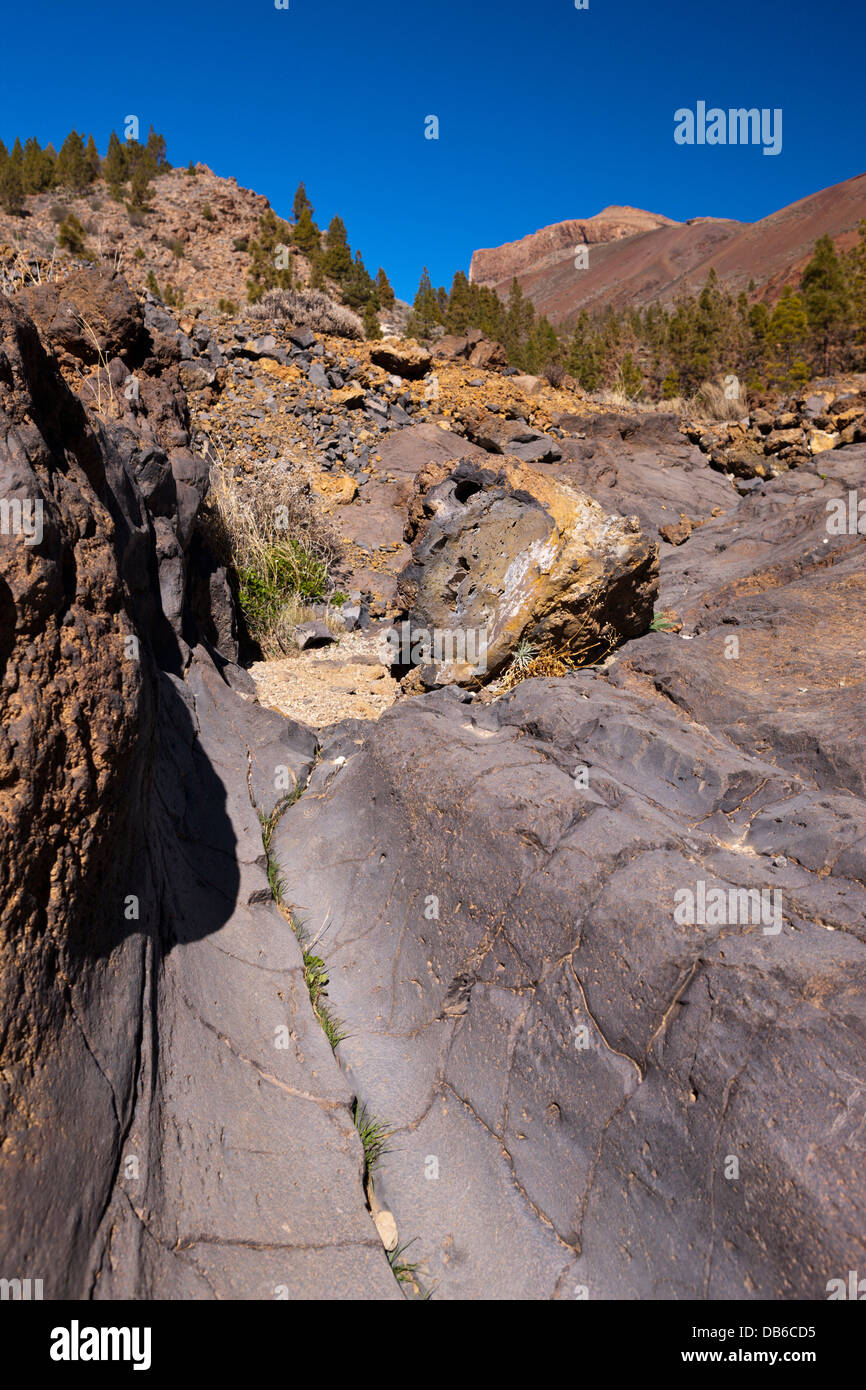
546	112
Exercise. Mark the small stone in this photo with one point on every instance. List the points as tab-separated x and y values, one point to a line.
303	338
387	1228
819	440
308	635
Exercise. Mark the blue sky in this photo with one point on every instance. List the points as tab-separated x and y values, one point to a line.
545	112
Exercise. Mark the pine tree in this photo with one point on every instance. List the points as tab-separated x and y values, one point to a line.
359	286
542	347
11	185
337	260
307	237
301	204
384	290
37	169
140	167
487	311
372	327
756	353
459	315
16	155
270	261
91	154
826	298
114	167
425	309
156	152
583	359
73	169
787	339
519	317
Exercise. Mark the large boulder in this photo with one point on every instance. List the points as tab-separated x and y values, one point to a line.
504	553
403	357
89	316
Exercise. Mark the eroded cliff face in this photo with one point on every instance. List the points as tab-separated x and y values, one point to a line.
145	973
497	265
79	699
638	258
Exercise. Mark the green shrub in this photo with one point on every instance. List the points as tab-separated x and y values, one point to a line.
70	235
283	571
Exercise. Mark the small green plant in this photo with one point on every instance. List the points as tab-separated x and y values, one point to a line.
524	654
191	170
241	243
139	254
227	306
315	970
338	598
70	235
374	1137
403	1271
176	247
661	624
316	978
282	570
276	883
207	213
152	284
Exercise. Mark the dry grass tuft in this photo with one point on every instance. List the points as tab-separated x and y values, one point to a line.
270	532
309	309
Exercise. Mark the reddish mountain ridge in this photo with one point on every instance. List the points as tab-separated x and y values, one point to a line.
638	258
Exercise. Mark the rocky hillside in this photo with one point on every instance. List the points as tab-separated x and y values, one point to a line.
638	258
514	916
193	237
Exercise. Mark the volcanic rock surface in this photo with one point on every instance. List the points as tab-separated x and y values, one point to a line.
597	945
588	1095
